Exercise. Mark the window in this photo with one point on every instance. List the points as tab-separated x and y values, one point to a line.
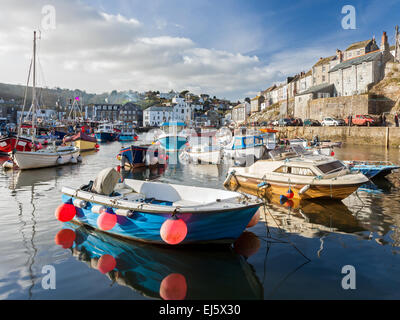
331	167
295	170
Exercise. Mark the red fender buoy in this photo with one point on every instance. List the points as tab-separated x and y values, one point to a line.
106	221
173	287
106	263
173	230
65	238
254	220
65	212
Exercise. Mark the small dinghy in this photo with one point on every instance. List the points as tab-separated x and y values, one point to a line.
372	169
159	213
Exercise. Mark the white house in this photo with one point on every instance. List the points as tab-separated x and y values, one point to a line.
156	115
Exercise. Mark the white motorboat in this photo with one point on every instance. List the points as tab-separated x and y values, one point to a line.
306	176
202	154
245	148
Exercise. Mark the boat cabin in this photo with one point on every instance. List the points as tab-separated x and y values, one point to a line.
172	127
244	142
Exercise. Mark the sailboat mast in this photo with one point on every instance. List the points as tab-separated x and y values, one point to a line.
34	87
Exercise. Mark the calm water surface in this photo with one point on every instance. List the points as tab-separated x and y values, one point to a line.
300	258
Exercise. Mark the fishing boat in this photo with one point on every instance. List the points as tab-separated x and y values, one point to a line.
136	156
163	273
173	137
294	176
372	169
127	135
82	141
42	158
11	141
268	137
245	147
156	212
106	133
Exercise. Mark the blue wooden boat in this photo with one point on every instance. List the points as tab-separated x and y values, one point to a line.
155	212
144	268
372	169
173	138
140	156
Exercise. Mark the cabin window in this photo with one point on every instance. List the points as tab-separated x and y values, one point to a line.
295	170
331	167
249	141
257	140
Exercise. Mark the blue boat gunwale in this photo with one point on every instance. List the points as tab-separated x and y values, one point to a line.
174	209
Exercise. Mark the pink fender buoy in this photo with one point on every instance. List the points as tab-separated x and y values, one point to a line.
106	221
173	287
65	238
65	212
106	263
173	230
254	220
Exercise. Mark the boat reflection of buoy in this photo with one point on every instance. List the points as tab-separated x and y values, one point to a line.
65	238
65	212
247	244
106	263
106	221
173	230
173	287
254	220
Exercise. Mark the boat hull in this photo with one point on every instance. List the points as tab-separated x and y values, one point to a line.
34	160
315	191
85	145
211	157
7	144
138	156
172	143
105	136
204	227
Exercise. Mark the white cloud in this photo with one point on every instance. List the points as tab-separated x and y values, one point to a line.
97	51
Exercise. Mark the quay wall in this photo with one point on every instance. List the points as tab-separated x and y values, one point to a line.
383	136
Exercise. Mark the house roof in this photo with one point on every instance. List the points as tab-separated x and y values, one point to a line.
317	88
323	61
358	60
158	108
358	45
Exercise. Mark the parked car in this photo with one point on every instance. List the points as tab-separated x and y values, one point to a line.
329	121
311	123
362	120
275	123
297	122
283	122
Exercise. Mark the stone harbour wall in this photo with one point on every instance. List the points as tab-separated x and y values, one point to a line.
384	136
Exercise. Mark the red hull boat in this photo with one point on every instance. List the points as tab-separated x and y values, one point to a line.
8	143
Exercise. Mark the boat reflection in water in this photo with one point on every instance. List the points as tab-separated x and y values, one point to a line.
310	218
161	272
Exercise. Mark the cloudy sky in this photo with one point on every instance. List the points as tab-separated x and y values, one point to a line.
228	48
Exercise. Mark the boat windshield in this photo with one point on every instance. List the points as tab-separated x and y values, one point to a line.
331	167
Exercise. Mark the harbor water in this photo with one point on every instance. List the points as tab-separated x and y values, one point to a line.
302	251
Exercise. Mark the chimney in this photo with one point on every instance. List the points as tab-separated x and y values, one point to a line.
339	55
384	42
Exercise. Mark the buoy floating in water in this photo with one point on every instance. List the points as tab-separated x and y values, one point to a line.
65	212
65	238
173	230
106	221
173	287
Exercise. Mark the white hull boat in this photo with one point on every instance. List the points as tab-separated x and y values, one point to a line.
203	154
46	158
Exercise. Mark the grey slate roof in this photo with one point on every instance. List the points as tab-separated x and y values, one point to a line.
316	88
364	58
